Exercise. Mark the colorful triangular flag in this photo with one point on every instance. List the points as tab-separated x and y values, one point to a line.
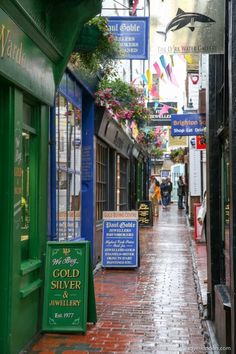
143	77
135	5
158	69
163	61
149	78
165	109
154	92
188	58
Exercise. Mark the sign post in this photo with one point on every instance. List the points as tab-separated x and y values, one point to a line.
120	239
69	300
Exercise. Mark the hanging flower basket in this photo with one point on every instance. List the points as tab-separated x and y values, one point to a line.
177	155
123	101
89	38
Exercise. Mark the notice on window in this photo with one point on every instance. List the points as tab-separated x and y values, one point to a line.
120	239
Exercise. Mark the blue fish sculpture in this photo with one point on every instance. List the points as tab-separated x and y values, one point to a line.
183	19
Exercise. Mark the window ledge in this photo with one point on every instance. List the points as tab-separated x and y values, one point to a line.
30	288
30	265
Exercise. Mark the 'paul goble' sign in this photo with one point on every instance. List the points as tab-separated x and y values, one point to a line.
120	239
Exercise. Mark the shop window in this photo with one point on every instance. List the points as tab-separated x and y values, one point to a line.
101	180
121	183
25	199
68	162
29	182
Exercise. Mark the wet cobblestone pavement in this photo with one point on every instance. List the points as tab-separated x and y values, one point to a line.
152	309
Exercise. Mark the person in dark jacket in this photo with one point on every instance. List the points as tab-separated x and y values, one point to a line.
170	186
165	192
180	192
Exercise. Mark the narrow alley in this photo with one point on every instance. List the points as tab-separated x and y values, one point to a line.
153	309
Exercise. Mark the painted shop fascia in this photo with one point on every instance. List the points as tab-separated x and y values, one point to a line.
35	45
37	41
23	63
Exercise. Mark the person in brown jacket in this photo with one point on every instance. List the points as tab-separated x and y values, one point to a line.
155	196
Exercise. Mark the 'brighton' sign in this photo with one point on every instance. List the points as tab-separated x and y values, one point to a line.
132	33
188	124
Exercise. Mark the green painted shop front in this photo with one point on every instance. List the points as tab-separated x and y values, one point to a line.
30	70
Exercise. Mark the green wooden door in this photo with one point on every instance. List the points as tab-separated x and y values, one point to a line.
23	230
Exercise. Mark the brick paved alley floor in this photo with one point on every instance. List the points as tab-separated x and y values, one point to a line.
152	309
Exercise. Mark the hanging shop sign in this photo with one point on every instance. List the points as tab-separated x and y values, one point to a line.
22	62
161	112
188	26
201	142
132	33
69	288
145	217
188	124
120	239
194	172
177	140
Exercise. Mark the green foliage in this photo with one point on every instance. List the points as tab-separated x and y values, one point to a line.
123	100
101	57
177	155
121	90
156	153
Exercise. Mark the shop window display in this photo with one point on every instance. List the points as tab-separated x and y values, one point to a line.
68	160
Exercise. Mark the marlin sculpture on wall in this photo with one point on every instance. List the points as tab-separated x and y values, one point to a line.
183	19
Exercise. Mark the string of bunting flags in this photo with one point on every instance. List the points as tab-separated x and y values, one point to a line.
164	70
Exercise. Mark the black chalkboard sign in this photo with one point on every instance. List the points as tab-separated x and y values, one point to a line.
145	217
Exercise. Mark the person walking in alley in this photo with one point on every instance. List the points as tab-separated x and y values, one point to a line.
180	192
201	217
155	195
165	193
170	186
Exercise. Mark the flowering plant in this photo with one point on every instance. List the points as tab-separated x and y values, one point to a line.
153	138
96	49
146	138
122	100
156	153
177	155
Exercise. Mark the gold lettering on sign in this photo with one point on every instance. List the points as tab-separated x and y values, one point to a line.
64	303
65	284
4	40
66	273
11	49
